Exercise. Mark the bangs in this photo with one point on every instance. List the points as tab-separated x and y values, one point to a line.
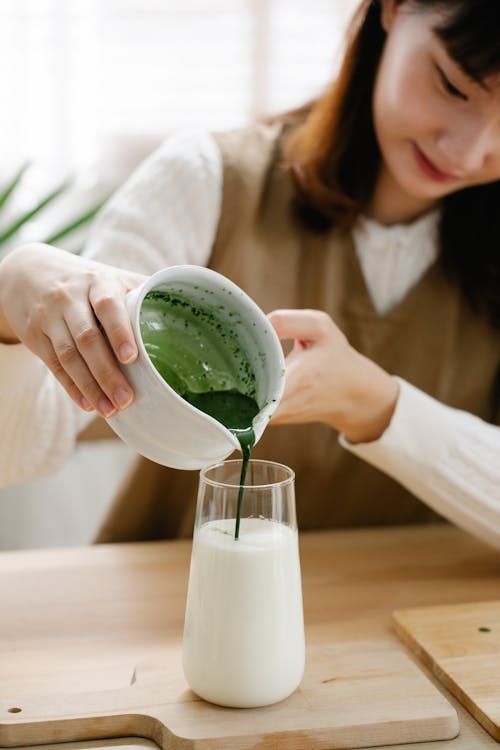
471	34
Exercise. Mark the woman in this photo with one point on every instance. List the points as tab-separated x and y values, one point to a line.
368	223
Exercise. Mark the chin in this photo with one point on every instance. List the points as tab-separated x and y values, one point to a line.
414	185
419	192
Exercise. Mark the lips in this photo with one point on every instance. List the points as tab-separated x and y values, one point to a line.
430	169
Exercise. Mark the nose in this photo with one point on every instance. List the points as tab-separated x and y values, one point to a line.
465	147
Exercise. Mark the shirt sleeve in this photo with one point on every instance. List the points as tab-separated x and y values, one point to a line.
166	213
39	421
448	458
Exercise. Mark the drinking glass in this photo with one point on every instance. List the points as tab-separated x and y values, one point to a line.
244	628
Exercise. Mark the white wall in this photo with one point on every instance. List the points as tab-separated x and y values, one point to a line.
64	509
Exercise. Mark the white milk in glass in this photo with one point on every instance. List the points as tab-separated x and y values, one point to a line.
244	629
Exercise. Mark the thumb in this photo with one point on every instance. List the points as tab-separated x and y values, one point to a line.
305	326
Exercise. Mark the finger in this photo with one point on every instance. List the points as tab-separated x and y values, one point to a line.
297	407
302	325
293	398
47	353
290	411
112	313
74	364
97	356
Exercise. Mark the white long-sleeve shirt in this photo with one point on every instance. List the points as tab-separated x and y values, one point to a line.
168	213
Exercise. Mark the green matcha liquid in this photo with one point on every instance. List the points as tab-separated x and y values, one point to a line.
200	356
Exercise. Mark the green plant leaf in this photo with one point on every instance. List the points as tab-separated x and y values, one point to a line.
9	189
75	223
10	231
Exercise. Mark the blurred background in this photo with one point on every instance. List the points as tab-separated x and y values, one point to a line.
88	89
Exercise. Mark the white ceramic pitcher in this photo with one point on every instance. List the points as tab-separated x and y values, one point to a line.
160	424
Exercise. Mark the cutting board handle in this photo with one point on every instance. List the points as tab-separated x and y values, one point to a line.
64	715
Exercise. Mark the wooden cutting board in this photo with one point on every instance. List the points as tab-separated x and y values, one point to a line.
90	648
354	694
461	645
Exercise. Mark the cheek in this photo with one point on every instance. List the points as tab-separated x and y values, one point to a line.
404	104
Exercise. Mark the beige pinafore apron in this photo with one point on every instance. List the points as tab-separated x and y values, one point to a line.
432	339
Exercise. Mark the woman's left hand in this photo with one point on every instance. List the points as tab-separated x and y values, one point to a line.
329	381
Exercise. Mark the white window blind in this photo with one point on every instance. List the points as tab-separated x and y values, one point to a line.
85	81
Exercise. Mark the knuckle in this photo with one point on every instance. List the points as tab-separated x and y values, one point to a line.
90	390
87	337
54	364
118	334
109	377
323	321
278	315
58	294
36	318
67	354
91	273
277	318
103	304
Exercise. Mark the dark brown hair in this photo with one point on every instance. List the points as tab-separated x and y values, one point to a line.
334	157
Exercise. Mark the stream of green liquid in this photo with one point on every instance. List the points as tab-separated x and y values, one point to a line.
201	358
236	412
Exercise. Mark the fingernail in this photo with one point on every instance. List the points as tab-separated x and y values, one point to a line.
106	407
127	352
85	404
122	397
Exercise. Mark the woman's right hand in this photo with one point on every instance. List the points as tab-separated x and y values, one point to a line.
70	311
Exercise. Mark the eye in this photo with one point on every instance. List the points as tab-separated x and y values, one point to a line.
449	87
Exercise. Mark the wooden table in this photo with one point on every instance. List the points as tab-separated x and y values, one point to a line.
352	582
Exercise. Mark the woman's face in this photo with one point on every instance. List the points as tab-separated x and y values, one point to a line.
438	130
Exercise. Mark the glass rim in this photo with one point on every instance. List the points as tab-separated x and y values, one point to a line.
253	461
